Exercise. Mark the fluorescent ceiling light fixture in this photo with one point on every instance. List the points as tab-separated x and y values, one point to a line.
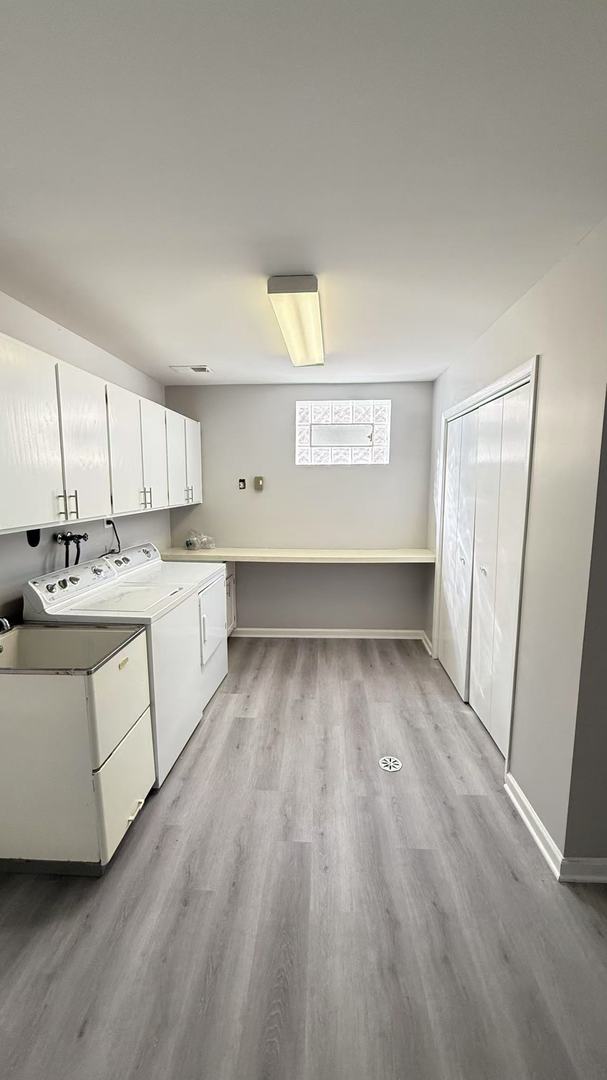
296	305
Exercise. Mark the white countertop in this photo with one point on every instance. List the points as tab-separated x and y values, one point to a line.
301	555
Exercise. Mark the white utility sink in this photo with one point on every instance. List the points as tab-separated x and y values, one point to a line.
76	750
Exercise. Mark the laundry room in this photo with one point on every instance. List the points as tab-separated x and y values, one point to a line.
303	492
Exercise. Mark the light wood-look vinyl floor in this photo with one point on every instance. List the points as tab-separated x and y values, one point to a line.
284	910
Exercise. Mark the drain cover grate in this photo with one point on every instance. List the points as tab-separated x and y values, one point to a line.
390	764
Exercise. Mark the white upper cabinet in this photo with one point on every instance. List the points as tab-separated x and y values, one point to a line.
73	447
193	445
175	424
31	481
124	428
154	447
84	439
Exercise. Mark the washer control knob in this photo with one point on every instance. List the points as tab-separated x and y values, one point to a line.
51	586
97	570
63	583
118	562
74	580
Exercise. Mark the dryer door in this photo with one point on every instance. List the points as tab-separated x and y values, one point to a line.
212	604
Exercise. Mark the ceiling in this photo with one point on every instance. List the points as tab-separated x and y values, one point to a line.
428	159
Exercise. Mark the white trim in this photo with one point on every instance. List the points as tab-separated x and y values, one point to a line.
584	870
305	632
564	869
535	825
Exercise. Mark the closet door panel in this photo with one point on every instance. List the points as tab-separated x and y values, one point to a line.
512	508
485	557
465	538
447	634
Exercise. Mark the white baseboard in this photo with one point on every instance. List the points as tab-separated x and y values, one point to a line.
299	632
535	825
584	870
564	869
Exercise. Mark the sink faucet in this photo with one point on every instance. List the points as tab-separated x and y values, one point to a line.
4	625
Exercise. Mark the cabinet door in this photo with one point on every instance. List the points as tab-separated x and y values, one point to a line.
84	439
485	558
230	603
31	479
175	423
193	444
124	428
511	531
212	617
154	447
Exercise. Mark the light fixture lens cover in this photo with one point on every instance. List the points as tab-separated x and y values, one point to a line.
296	305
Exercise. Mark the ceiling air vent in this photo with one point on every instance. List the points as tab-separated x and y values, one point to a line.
198	369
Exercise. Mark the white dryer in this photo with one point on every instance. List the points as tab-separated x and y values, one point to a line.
184	612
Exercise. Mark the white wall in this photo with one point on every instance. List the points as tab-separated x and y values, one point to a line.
26	325
563	318
250	430
19	562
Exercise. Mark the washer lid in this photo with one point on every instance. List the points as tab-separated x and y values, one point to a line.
140	599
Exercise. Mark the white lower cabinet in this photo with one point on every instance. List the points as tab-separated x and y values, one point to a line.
122	783
77	757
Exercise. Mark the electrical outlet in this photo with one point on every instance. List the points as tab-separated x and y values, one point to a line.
242	484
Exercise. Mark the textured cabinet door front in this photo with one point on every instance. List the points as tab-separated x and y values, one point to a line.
176	458
31	478
194	458
85	443
124	426
154	447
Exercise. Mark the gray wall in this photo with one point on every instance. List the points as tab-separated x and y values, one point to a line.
587	821
563	319
19	562
249	430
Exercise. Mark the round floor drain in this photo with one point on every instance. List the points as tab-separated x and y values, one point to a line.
390	764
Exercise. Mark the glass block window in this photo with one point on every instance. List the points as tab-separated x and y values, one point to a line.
342	432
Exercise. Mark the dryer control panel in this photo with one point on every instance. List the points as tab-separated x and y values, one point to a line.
134	557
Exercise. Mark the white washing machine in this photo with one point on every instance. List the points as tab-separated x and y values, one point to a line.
183	608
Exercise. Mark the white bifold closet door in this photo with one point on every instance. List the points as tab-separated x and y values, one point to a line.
501	497
457	550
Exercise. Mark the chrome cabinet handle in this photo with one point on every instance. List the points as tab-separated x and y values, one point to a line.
150	502
76	511
144	495
62	513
